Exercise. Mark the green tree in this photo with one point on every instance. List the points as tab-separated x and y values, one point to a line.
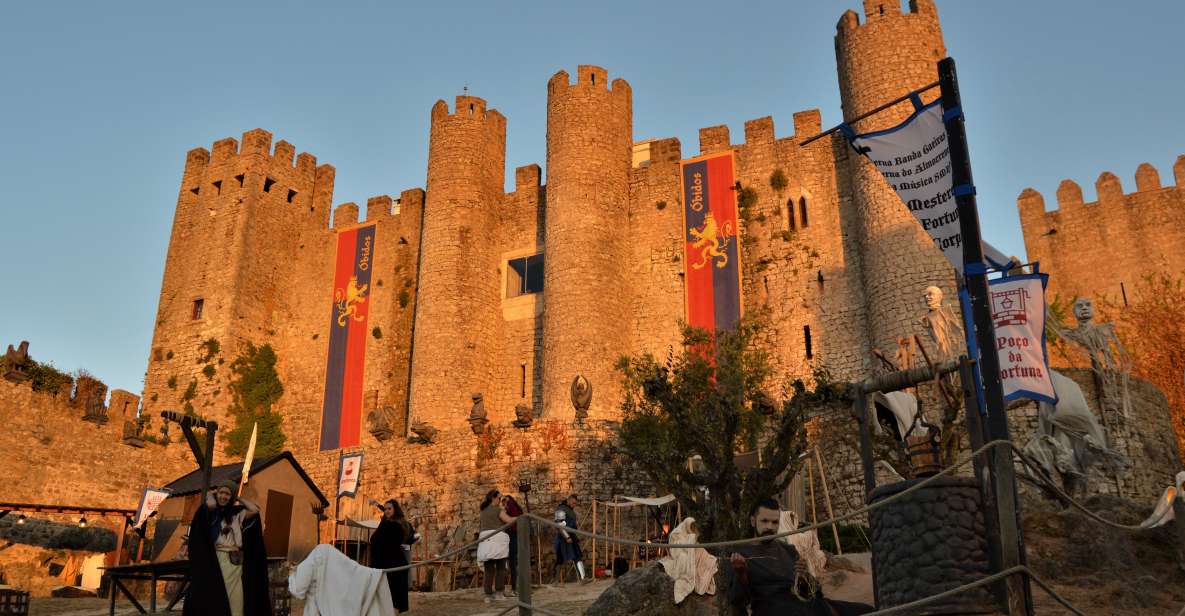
710	400
255	387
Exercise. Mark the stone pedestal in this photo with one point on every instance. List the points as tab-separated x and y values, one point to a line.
931	541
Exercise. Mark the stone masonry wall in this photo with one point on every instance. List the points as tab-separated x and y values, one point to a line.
1103	248
50	456
441	484
1145	438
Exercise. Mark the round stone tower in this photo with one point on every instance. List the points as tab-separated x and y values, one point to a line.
457	308
586	308
886	57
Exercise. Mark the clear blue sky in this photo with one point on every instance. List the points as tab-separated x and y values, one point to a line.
99	101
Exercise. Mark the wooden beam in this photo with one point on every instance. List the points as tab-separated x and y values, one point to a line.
903	379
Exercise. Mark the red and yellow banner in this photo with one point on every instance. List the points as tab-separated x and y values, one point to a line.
341	413
712	249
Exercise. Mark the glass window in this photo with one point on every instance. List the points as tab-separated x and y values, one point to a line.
524	275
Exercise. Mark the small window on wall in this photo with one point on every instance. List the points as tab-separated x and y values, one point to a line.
198	304
524	275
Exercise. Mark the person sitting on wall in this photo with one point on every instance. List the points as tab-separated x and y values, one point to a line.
773	580
227	559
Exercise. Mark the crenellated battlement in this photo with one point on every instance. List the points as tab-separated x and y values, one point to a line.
759	131
379	208
588	77
878	10
527	177
468	108
345	215
257	166
1108	188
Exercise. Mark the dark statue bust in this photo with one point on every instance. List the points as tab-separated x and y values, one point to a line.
17	363
424	433
380	422
523	415
477	415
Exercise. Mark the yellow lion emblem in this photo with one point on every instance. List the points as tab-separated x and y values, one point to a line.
710	243
348	299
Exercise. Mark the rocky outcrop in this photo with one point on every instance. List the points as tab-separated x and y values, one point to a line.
649	591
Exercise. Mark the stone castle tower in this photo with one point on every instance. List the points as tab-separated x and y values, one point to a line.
883	59
511	295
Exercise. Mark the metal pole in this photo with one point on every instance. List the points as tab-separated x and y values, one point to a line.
1003	474
523	536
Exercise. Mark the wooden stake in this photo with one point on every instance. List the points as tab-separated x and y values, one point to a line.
810	476
594	539
827	501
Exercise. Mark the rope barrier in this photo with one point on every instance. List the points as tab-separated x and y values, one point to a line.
1038	474
441	557
825	523
976	584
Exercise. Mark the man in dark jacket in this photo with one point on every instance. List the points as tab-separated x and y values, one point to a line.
773	580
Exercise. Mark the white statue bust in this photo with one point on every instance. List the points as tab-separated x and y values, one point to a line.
944	327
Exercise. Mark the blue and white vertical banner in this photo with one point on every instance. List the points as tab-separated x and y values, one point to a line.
348	474
914	157
1018	314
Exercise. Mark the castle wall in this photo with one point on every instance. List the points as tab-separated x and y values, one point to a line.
440	485
656	250
50	456
517	375
1145	439
1103	248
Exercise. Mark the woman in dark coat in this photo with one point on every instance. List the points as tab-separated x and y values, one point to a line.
386	549
512	511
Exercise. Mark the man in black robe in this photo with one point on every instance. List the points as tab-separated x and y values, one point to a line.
773	580
206	595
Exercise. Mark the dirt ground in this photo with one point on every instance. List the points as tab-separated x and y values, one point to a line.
1101	571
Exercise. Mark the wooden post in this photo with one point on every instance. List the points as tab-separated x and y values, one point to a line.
594	539
608	545
810	477
539	560
523	536
827	501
